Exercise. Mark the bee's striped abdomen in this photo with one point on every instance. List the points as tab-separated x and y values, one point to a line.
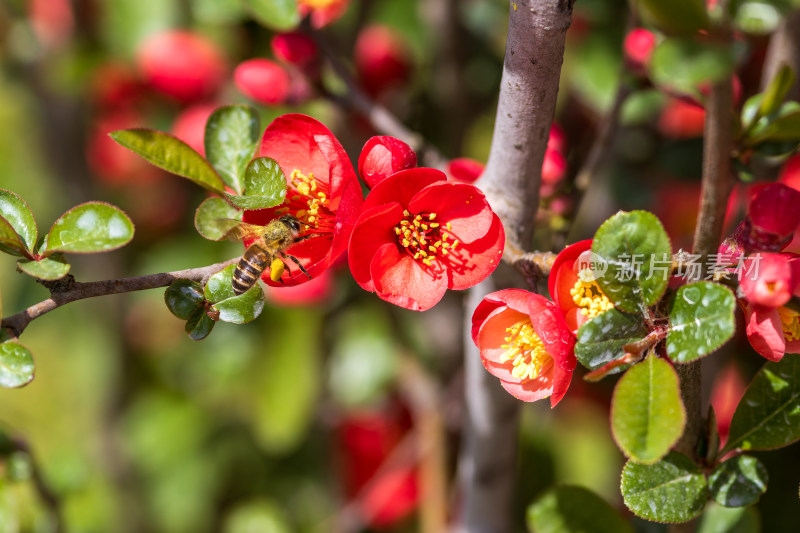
249	269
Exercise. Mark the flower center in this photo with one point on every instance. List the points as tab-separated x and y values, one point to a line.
423	238
525	350
308	200
790	320
317	4
588	296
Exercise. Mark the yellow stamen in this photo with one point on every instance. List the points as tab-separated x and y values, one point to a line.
525	350
790	321
588	296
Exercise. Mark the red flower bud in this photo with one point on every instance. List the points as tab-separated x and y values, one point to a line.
638	46
180	64
295	48
554	167
464	170
383	156
772	218
382	59
263	80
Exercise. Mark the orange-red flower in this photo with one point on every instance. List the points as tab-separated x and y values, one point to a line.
323	192
525	342
419	235
573	287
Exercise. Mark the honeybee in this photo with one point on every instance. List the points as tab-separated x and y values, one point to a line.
267	250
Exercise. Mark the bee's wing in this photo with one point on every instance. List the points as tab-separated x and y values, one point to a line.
241	230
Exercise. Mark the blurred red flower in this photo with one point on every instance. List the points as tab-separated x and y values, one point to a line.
382	59
772	218
419	235
322	12
190	125
525	342
323	192
382	156
183	65
295	48
464	170
263	80
638	47
573	287
726	392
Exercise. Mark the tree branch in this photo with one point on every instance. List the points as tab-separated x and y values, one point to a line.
528	91
67	290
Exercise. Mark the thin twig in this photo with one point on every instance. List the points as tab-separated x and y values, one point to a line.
71	291
382	119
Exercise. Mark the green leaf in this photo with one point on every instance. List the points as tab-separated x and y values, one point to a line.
49	268
170	153
786	127
18	231
600	340
671	490
280	15
776	91
89	228
16	365
637	255
256	516
768	415
231	138
215	217
719	519
236	309
701	320
571	509
199	325
264	185
183	297
751	111
684	64
738	482
647	414
677	16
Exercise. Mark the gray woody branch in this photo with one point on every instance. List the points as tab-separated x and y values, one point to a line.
528	90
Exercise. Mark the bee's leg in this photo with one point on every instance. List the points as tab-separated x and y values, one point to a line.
304	237
296	262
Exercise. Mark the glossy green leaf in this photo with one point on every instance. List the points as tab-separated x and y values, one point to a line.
89	228
571	509
672	490
751	110
199	324
719	519
600	340
768	415
170	153
256	516
677	16
18	231
785	127
647	414
16	365
236	309
701	320
776	91
264	185
231	138
215	217
684	64
183	297
637	255
739	481
277	15
49	268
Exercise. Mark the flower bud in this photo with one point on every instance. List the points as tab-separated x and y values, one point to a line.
382	156
263	80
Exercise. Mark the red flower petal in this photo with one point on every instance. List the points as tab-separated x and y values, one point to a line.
516	299
374	228
470	264
562	279
462	205
383	156
531	391
403	281
402	186
765	332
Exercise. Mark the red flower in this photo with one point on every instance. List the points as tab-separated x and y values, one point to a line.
773	331
420	235
728	389
263	80
382	59
681	120
464	170
323	192
525	342
573	287
770	279
184	65
638	46
322	12
772	218
295	48
382	156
